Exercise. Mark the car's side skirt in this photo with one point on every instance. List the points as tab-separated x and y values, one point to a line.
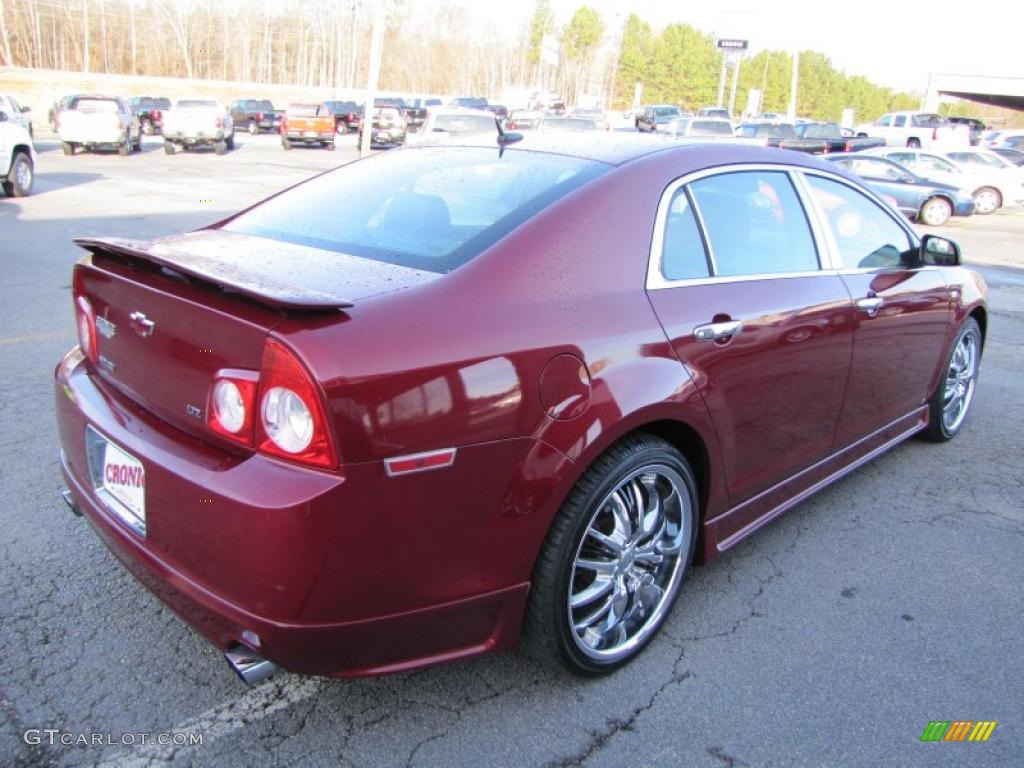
734	525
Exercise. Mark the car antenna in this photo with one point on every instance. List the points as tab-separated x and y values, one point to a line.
505	137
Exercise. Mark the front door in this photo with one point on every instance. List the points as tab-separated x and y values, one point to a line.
766	333
903	310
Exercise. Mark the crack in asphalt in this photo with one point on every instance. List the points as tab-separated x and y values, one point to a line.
728	760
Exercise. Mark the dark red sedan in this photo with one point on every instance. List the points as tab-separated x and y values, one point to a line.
499	391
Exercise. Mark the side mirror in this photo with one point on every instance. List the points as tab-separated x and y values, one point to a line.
939	251
3	117
26	109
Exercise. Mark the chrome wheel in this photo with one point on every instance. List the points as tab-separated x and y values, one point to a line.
960	380
23	175
629	563
986	201
936	212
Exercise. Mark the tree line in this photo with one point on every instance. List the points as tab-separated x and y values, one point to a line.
325	43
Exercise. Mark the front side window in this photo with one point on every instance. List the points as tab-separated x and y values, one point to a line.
871	168
901	120
754	223
885	121
933	163
867	237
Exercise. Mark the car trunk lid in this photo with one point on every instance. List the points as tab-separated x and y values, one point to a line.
172	313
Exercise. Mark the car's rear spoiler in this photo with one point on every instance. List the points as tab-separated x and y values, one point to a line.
256	274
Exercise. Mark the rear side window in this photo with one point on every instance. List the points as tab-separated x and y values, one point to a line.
754	223
429	208
867	236
683	254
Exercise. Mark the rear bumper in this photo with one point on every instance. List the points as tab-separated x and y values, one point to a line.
180	137
329	573
307	136
95	138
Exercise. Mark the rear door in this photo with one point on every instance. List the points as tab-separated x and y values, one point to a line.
903	310
736	280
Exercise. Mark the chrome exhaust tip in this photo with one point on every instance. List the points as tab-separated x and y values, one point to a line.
70	501
249	665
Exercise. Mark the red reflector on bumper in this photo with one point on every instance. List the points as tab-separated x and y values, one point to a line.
419	462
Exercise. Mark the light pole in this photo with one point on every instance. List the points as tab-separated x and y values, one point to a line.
376	43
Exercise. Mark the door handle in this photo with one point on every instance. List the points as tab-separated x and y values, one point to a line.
870	305
716	331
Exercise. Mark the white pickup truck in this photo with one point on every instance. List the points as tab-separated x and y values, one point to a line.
198	122
17	158
924	130
97	122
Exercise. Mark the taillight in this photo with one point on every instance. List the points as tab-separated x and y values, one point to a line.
291	421
218	123
231	410
935	134
86	320
284	123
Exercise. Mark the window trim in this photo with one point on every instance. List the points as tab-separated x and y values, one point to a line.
828	252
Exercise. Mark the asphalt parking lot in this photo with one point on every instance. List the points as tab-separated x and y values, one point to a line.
831	638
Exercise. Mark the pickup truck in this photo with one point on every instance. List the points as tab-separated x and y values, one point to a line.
308	124
198	122
15	112
148	110
836	139
17	158
256	115
415	112
917	130
347	115
387	128
97	122
781	135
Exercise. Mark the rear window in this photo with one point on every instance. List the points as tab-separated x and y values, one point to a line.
96	105
307	110
464	123
431	208
711	128
264	105
567	124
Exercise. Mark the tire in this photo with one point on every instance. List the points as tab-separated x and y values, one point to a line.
124	149
285	144
252	127
220	147
935	212
913	143
329	145
951	401
137	146
640	464
68	147
230	141
147	127
168	147
987	200
342	128
19	179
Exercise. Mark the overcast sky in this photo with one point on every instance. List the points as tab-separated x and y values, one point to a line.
892	43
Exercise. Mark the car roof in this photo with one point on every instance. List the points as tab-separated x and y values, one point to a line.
614	148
